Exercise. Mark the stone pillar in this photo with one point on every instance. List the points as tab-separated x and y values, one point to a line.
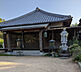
9	42
40	41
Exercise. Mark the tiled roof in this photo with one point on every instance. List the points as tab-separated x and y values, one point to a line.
34	17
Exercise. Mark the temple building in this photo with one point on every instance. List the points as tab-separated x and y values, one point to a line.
34	30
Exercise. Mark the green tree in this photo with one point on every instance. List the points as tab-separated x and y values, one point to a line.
2	20
73	25
1	34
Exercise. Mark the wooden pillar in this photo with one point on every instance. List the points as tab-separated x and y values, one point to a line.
52	35
22	39
74	33
40	41
9	42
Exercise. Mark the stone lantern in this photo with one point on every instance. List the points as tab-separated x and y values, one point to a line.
64	36
52	44
19	43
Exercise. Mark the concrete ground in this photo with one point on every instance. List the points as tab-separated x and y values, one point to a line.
36	64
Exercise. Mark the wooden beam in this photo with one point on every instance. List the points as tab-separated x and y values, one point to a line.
40	41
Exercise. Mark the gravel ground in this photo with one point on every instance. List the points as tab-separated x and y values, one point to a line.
36	64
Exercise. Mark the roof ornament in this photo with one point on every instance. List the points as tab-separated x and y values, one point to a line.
80	22
37	9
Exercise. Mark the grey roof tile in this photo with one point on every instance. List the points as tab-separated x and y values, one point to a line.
36	16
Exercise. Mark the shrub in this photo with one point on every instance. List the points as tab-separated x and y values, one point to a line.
1	43
77	58
48	54
75	49
5	54
79	43
73	41
70	42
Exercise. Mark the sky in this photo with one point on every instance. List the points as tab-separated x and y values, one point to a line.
10	9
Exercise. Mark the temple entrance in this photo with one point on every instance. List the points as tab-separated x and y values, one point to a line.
31	41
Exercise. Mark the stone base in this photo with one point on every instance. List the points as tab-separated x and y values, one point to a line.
64	55
25	52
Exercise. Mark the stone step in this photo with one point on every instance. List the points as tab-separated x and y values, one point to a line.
26	52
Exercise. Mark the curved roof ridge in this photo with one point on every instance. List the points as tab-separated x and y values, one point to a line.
54	14
36	10
20	17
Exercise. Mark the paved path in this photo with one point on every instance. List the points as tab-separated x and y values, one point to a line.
36	64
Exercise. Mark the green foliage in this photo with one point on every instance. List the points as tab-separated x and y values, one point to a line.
73	41
2	20
5	54
79	43
1	42
75	50
70	42
77	58
73	25
48	54
1	34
